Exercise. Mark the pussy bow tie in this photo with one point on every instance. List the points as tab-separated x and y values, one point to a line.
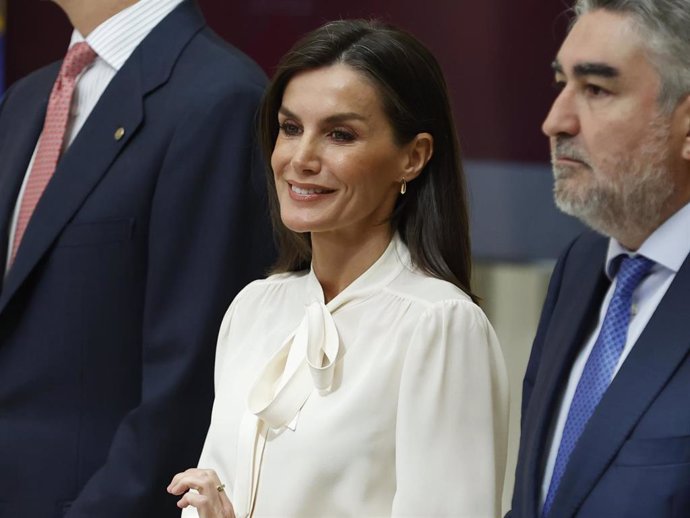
304	363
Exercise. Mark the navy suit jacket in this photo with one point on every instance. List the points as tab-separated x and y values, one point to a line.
109	315
633	458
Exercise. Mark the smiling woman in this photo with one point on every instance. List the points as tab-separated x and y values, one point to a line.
361	379
333	135
405	84
337	167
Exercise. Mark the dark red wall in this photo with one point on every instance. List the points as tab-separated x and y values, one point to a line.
495	53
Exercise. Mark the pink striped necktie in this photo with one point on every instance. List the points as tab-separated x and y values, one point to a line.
52	137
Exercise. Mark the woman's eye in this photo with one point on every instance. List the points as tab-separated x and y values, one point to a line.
342	135
289	128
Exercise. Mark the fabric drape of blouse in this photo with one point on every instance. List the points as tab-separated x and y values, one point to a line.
388	401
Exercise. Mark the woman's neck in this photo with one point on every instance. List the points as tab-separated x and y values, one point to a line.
339	259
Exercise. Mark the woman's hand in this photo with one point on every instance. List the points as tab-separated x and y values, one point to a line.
209	500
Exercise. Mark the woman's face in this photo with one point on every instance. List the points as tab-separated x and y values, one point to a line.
336	165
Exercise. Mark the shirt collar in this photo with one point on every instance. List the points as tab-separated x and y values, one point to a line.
116	38
394	259
668	246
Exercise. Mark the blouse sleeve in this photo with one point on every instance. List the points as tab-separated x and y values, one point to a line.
210	452
452	422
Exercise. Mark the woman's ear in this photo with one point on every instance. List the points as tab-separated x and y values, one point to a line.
419	152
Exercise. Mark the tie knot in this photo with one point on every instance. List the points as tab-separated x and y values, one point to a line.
632	270
78	57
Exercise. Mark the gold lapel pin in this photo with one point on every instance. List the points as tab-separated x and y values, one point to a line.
119	133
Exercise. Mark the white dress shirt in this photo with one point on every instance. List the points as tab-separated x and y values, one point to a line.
668	247
113	41
406	401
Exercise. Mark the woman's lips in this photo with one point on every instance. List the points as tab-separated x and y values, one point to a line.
306	192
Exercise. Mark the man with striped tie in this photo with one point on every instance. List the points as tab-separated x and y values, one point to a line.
605	415
131	212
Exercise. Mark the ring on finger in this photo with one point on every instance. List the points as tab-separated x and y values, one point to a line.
220	488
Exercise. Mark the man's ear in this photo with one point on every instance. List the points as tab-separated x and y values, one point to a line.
683	110
419	152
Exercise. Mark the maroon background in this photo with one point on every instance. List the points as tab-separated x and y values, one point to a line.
495	53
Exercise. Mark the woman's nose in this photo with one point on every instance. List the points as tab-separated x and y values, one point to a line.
305	158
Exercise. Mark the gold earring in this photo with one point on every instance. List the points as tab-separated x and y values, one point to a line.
403	186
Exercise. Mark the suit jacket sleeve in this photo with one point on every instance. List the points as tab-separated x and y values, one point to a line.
552	295
544	321
208	236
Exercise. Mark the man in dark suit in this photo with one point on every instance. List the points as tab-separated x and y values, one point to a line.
605	416
122	258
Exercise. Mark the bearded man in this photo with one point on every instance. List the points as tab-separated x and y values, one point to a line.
605	414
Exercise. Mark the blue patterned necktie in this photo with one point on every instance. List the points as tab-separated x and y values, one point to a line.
598	370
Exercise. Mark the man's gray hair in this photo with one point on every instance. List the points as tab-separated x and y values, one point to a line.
665	27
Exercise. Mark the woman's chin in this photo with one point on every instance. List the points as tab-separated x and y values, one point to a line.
300	227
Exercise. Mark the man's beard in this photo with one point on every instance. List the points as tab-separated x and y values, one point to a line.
625	197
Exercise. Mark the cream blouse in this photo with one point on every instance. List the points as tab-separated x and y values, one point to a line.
390	400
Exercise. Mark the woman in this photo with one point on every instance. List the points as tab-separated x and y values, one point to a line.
362	379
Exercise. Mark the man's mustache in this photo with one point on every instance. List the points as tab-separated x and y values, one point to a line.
565	148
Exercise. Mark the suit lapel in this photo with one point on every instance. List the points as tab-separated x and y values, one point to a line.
96	146
663	344
16	153
78	172
584	287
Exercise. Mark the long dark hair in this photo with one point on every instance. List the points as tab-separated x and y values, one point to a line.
431	218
